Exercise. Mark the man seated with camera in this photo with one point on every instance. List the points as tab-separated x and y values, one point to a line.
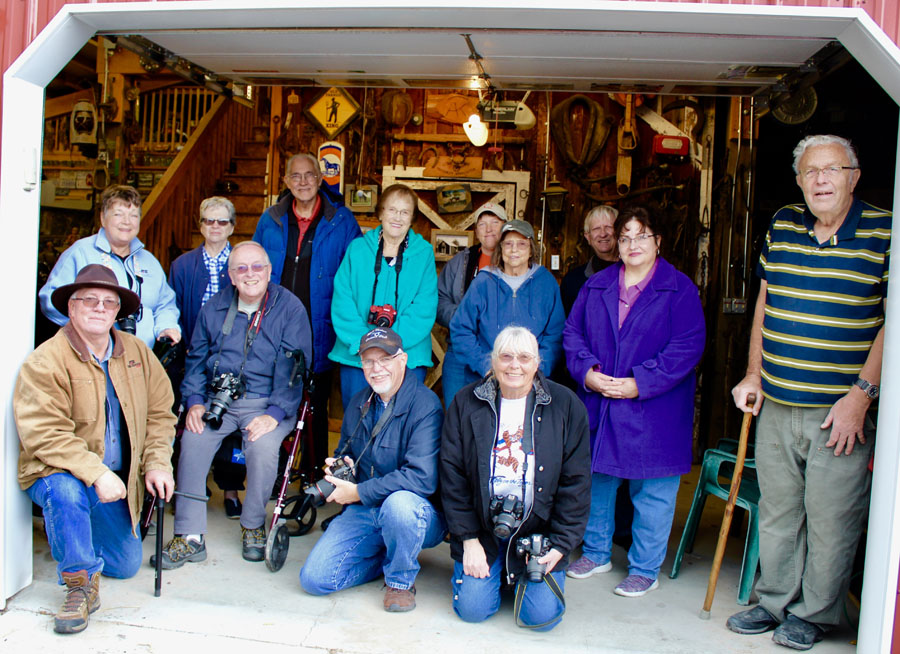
384	471
515	485
240	373
117	247
93	409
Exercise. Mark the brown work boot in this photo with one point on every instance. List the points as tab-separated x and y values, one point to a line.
82	599
399	600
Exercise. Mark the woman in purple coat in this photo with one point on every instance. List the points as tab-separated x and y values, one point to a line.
632	341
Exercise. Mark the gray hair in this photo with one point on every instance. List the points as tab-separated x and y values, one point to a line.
824	139
244	244
598	211
303	155
215	202
514	339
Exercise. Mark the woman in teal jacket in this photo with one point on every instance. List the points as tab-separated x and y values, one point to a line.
390	269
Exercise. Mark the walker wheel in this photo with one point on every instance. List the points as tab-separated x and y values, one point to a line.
277	544
298	525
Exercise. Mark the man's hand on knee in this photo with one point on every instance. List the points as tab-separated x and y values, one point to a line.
260	426
160	483
109	487
194	419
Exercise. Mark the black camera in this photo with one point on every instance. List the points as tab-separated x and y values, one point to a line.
533	547
322	489
507	514
128	324
382	316
227	388
166	350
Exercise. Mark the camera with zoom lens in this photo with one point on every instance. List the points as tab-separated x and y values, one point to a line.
227	388
533	547
507	514
382	316
128	324
322	489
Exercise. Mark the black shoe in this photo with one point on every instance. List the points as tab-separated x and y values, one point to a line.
327	521
797	634
754	621
253	543
233	508
180	551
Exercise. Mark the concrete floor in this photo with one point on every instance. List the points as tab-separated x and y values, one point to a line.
226	604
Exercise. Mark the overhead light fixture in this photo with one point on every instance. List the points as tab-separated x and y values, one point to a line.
476	130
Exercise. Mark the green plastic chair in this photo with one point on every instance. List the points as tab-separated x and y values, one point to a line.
720	463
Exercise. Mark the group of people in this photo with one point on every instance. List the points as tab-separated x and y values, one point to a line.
517	470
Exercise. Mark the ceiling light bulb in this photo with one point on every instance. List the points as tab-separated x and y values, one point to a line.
476	130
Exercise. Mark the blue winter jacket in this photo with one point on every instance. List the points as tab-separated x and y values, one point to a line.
189	277
159	310
284	328
415	298
336	228
490	305
404	455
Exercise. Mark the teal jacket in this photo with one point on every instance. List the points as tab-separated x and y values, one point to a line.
415	302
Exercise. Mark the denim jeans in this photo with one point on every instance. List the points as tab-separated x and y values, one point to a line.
811	512
198	450
454	376
365	541
654	508
475	600
85	533
353	380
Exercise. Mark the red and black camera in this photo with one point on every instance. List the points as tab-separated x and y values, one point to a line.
382	316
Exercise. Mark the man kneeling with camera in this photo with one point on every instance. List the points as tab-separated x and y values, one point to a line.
515	485
384	471
238	375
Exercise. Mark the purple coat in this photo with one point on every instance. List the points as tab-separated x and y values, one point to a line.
659	344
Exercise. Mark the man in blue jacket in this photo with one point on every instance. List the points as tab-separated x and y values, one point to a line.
239	375
391	437
305	235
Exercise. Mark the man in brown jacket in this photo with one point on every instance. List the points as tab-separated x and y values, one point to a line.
93	412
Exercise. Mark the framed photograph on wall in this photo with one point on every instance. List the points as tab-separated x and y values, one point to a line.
447	242
361	198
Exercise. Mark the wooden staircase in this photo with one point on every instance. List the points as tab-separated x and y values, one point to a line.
247	171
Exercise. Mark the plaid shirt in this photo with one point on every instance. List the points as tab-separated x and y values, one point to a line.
213	266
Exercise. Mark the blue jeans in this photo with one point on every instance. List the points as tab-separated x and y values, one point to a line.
654	508
475	600
365	541
454	376
85	533
353	381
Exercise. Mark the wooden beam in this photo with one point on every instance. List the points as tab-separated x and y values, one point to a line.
64	103
455	138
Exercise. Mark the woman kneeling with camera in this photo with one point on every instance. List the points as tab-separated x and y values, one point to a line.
515	485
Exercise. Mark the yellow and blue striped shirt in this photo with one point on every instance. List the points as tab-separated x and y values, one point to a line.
824	302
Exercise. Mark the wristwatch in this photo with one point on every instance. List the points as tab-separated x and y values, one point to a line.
869	389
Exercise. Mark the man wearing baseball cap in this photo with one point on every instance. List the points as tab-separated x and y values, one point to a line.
391	437
93	411
454	281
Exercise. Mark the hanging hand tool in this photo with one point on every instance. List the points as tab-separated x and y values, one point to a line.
626	142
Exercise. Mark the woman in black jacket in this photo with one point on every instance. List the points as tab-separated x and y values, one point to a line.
515	484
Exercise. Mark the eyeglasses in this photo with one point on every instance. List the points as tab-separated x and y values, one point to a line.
221	222
393	211
91	302
382	362
830	172
523	358
640	240
243	269
516	245
306	177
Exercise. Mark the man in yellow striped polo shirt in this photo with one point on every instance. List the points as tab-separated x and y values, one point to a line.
815	356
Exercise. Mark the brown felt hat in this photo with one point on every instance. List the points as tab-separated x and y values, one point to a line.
94	275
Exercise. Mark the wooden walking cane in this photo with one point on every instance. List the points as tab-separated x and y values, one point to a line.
729	509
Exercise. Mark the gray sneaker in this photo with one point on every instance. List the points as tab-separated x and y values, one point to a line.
179	551
253	543
585	567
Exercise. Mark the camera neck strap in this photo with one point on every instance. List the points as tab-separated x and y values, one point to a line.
520	596
252	330
379	425
398	266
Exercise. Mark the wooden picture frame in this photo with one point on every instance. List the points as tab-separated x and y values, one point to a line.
447	242
361	198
